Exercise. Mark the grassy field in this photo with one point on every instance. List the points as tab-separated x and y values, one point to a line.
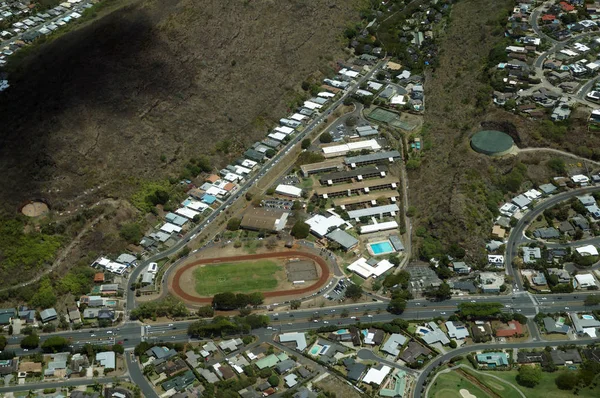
448	385
236	277
502	389
547	388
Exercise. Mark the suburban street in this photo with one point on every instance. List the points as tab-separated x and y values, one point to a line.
517	235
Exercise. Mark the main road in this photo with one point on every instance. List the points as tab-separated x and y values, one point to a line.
247	185
517	235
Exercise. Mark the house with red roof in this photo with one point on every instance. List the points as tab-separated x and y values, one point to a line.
514	329
548	18
566	7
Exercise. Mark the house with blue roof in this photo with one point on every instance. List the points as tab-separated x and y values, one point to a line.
493	359
209	199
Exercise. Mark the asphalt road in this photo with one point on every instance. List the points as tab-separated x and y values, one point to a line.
59	384
137	377
517	234
243	188
419	386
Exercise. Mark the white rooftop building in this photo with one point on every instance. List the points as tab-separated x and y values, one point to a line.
585	280
377	375
288	190
382	226
588	250
321	225
362	268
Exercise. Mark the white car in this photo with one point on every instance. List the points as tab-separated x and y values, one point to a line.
352	317
369	316
316	321
170	324
566	308
109	332
92	335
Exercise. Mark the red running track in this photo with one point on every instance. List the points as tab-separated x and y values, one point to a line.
291	254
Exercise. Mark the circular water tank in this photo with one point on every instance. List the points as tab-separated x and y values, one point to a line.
492	142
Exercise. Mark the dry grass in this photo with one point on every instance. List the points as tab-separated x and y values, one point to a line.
451	189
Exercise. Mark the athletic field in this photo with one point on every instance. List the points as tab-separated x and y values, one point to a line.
239	277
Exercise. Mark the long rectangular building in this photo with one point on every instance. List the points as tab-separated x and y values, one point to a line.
357	188
372	158
343	149
322	167
371	199
374	211
350	175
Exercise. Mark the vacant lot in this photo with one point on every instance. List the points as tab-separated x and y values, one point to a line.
236	277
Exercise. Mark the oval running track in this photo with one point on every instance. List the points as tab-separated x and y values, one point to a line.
291	254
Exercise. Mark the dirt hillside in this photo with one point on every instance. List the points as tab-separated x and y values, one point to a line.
158	78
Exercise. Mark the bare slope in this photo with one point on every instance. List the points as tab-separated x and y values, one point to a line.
451	187
158	78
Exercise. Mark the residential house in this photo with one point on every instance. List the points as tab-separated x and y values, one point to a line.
461	268
413	351
8	366
531	254
457	330
566	357
48	315
492	359
354	369
514	329
546	233
393	344
6	314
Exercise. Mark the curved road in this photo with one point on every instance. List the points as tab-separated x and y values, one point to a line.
517	234
420	383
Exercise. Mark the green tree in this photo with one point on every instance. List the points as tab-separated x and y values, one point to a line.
256	298
295	304
305	143
270	153
353	292
55	344
273	380
442	292
592	299
453	344
566	380
131	232
326	138
3	342
31	341
557	165
45	296
233	224
397	306
118	348
529	376
225	301
300	230
206	311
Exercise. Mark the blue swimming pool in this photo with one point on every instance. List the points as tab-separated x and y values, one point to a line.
342	331
381	247
588	317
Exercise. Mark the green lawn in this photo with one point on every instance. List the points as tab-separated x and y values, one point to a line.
236	277
502	389
448	385
547	388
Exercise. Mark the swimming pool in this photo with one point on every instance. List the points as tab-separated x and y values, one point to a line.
110	302
384	247
341	331
316	349
421	330
588	317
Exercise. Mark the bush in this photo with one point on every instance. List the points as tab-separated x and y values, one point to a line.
300	230
566	380
273	381
233	224
453	344
305	143
529	376
326	138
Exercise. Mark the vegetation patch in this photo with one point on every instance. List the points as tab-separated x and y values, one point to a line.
236	277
